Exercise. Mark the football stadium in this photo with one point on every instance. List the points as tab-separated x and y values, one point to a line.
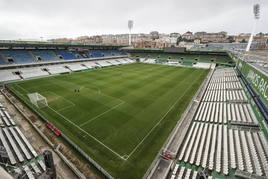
136	113
132	105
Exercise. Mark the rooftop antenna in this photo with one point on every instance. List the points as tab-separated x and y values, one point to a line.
130	26
256	11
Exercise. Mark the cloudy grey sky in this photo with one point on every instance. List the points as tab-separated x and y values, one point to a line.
31	19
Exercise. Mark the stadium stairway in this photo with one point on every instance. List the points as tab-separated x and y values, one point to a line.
31	53
45	55
66	55
2	60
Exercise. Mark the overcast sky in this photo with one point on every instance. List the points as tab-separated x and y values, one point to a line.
32	19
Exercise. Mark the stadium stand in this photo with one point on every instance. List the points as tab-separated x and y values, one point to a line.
45	70
76	66
149	61
115	62
223	86
103	63
33	72
225	112
66	55
181	172
2	61
211	143
91	64
129	60
123	61
18	56
8	75
244	151
95	54
57	69
202	65
21	155
45	55
33	56
225	95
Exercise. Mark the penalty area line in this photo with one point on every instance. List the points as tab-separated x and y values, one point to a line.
118	155
115	153
96	117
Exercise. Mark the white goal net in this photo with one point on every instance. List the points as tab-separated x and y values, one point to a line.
38	100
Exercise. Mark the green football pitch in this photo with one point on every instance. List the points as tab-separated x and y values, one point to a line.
122	115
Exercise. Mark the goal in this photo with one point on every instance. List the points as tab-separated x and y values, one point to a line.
38	100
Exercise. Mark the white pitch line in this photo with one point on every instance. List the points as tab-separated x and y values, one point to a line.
61	97
81	87
87	133
99	91
22	88
17	91
103	94
92	119
61	109
118	155
158	122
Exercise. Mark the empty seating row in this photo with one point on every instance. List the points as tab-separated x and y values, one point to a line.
225	95
223	86
103	63
31	170
57	69
91	64
115	62
202	65
150	61
17	146
76	66
3	62
5	118
18	56
220	148
226	72
21	155
33	56
66	55
45	55
181	172
8	75
30	72
123	61
222	79
33	72
217	112
127	60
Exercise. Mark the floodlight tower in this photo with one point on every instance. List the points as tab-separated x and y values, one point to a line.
130	26
256	11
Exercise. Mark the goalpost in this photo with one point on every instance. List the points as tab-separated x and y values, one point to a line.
38	100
